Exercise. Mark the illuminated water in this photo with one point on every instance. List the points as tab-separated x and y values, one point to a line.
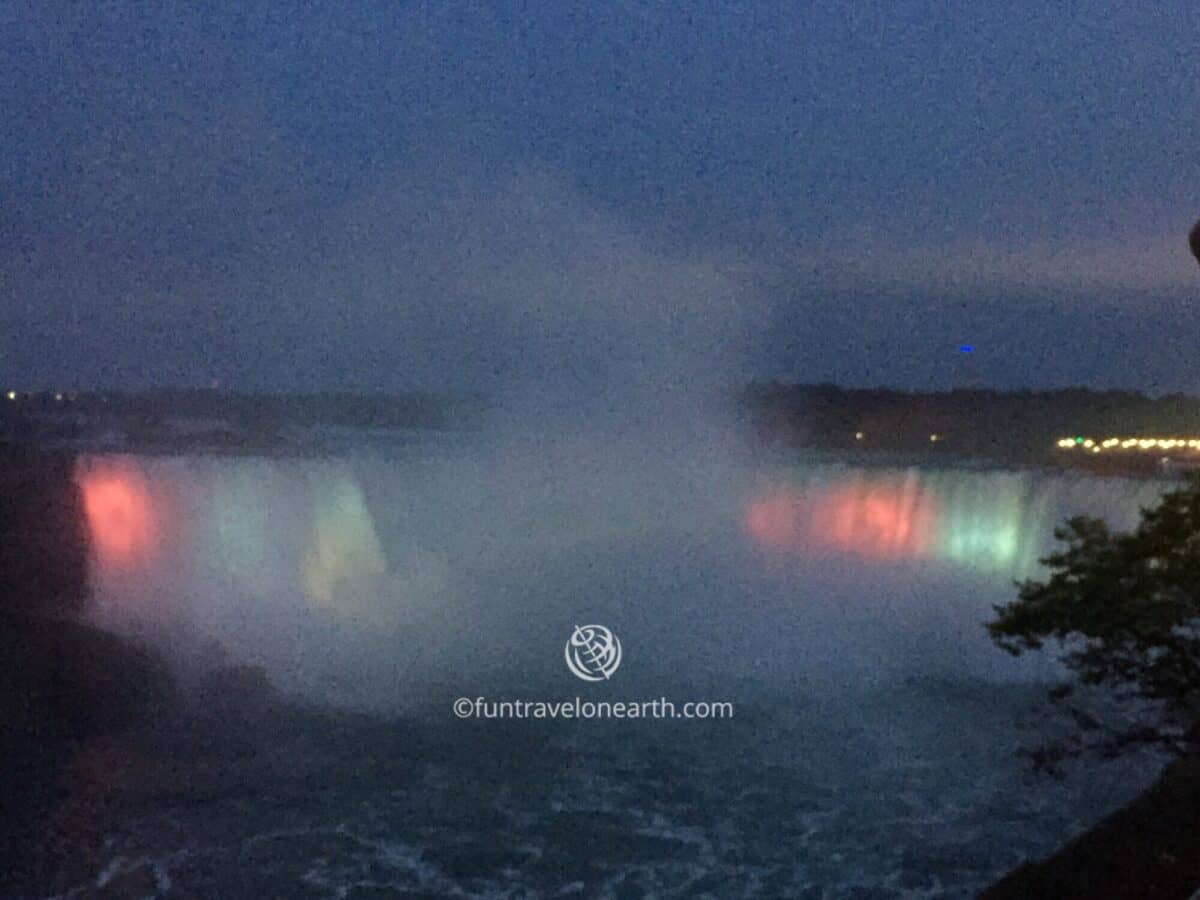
840	609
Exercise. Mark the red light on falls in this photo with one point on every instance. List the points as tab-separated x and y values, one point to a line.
118	514
881	521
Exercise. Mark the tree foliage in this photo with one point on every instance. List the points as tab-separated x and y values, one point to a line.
1124	608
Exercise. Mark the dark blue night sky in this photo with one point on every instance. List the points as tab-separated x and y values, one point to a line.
472	195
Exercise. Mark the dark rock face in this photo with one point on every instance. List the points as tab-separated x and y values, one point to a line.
1149	850
43	535
58	678
61	679
62	683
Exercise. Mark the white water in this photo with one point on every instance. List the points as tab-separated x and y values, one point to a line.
841	609
380	579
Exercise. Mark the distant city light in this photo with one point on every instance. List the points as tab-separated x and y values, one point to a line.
12	395
858	435
933	438
1129	443
58	397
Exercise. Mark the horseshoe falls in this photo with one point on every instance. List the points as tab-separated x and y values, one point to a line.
838	609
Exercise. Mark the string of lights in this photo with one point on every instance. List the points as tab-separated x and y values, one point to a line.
1137	444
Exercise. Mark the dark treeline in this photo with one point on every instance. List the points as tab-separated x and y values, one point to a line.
1019	426
187	419
330	408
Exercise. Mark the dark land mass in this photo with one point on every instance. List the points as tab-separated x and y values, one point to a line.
1148	850
1006	427
1011	427
185	420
